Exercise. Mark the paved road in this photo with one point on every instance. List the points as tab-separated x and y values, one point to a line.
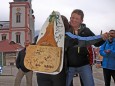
9	73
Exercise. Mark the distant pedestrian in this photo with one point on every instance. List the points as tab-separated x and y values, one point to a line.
22	70
99	61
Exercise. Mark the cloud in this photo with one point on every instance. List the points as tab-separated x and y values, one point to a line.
99	14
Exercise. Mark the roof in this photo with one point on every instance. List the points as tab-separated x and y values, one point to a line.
9	46
4	24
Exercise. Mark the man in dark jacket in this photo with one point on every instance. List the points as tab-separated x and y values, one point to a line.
22	70
78	61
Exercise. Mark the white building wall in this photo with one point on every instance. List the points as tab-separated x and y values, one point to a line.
22	37
22	11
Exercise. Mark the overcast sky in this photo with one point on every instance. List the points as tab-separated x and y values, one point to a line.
99	14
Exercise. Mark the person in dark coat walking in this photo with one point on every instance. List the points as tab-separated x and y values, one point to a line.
22	70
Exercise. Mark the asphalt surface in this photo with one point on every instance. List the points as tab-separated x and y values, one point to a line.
9	73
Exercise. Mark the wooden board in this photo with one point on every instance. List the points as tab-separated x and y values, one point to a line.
47	55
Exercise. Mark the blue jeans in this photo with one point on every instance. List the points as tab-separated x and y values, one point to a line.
85	73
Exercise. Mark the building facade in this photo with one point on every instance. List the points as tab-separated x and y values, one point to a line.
20	27
19	30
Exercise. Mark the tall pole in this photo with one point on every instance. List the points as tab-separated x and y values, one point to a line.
101	32
2	59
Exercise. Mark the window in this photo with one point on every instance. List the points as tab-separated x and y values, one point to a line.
3	36
18	17
1	26
18	37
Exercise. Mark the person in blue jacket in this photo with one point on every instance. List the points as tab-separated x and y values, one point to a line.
107	50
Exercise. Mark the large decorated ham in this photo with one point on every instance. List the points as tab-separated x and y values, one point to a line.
47	55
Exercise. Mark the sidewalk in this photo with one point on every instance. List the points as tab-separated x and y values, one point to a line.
9	73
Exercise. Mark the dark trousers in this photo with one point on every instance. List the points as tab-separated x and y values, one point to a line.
107	76
51	80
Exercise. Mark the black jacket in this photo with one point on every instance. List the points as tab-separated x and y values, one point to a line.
78	56
20	60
